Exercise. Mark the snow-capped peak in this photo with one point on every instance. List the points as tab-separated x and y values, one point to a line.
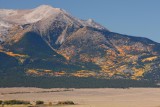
44	6
41	12
48	7
90	20
9	18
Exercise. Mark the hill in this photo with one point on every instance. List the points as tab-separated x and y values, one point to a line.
37	49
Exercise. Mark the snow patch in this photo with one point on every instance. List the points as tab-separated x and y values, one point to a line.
7	13
40	13
44	13
5	24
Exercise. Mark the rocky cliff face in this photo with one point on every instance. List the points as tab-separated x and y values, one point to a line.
48	41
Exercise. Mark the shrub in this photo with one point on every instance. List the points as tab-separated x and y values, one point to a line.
13	102
39	102
31	106
1	101
65	103
50	103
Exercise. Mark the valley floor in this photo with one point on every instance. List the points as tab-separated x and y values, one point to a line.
102	97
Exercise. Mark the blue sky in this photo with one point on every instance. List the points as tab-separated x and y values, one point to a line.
132	17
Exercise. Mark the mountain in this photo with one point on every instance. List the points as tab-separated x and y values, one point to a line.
48	44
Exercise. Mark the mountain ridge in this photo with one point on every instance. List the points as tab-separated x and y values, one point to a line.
10	18
60	45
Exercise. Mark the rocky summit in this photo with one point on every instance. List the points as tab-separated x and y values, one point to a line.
48	42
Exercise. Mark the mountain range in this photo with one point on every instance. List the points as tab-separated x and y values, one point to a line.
47	42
